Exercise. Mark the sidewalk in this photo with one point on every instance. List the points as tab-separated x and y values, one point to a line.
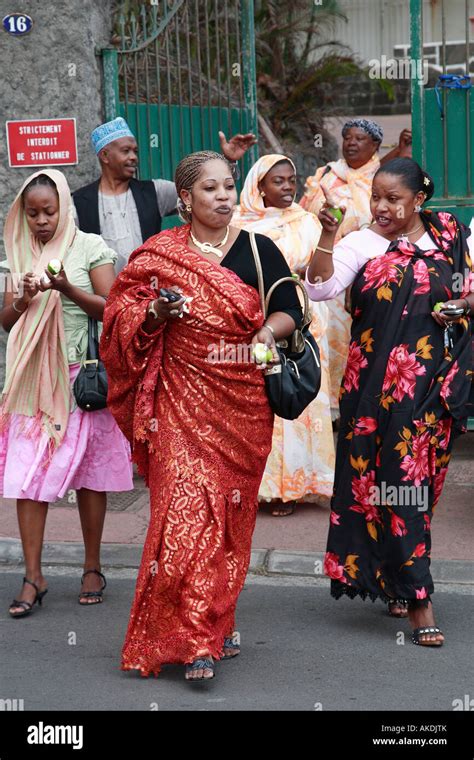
281	544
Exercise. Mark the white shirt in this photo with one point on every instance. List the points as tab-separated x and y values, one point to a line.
119	222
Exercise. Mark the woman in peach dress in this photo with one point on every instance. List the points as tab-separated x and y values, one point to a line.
300	467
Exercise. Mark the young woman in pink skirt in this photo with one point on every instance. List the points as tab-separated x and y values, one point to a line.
48	445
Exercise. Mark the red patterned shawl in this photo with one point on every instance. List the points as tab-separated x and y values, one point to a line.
206	422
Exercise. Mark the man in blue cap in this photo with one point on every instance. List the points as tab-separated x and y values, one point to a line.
124	210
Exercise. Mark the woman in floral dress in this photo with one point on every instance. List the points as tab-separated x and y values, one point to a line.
404	392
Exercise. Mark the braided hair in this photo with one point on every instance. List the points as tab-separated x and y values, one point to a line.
42	180
188	172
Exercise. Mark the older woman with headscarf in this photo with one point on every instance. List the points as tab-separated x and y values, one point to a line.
48	446
347	183
301	464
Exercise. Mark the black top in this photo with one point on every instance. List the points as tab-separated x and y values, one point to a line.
240	260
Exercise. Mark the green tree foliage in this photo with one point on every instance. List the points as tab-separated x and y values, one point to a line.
299	65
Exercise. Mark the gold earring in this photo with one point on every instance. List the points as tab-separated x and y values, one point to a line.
188	208
262	193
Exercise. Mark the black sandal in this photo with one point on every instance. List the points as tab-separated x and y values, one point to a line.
420	631
398	603
229	643
97	595
202	664
27	606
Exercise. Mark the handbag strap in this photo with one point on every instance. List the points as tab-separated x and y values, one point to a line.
258	267
307	317
93	340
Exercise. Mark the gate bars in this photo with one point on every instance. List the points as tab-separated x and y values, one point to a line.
442	123
181	71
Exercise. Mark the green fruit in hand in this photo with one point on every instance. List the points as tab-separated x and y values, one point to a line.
336	213
438	306
54	266
262	353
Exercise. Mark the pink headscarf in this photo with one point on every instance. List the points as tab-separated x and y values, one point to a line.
37	373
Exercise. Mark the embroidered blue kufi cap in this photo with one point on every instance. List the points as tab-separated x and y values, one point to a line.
110	131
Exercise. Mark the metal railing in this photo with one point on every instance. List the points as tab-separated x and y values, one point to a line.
180	71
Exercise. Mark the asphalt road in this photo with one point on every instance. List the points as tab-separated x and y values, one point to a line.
301	650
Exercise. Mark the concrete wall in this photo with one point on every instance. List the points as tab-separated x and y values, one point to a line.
36	79
36	82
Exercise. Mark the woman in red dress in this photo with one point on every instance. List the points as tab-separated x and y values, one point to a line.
185	392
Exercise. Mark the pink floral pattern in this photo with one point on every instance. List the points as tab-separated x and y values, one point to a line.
355	362
401	373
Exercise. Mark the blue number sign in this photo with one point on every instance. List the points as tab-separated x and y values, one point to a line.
17	23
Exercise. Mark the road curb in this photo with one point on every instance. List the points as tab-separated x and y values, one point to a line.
272	562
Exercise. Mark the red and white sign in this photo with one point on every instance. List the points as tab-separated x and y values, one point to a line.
42	142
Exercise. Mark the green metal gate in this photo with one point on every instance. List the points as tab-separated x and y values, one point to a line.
181	71
443	125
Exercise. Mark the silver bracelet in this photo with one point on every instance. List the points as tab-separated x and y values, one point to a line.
19	311
269	327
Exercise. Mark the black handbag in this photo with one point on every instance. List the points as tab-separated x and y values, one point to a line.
90	386
295	382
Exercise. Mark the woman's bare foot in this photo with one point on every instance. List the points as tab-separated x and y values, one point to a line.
284	509
28	592
423	617
277	508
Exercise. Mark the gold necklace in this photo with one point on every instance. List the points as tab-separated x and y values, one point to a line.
209	247
405	235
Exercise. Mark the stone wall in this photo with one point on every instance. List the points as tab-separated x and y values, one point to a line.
52	72
354	95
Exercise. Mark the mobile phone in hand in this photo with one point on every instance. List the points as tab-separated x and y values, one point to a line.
456	311
170	295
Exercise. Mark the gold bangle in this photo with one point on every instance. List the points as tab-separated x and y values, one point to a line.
19	311
326	250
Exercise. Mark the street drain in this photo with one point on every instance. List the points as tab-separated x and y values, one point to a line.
116	502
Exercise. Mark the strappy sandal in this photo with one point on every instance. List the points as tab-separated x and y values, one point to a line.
229	643
420	631
202	664
28	606
398	603
97	595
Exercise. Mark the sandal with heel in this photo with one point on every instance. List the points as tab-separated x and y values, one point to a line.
27	606
97	595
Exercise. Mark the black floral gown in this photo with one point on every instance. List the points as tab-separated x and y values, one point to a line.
402	401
